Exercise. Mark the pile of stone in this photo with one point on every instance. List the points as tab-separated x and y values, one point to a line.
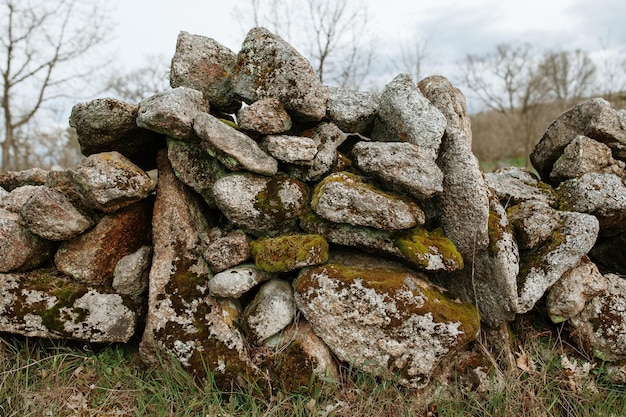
309	226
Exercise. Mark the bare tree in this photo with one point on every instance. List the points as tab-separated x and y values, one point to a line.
333	35
568	75
39	41
139	83
413	55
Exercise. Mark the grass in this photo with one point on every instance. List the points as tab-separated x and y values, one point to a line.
545	376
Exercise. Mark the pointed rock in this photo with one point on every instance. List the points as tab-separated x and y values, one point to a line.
267	66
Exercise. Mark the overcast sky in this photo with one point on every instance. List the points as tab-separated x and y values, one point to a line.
453	28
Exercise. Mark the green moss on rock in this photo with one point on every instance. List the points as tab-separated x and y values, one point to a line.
289	252
429	250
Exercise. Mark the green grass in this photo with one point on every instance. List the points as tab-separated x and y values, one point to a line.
43	378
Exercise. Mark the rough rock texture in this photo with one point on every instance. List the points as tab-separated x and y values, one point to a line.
91	257
288	252
232	148
401	166
266	116
205	65
260	204
50	214
110	181
272	310
291	149
44	303
347	198
172	112
327	137
582	156
383	318
20	250
226	251
540	269
594	118
351	110
601	326
534	222
569	295
14	200
11	180
405	115
267	66
464	202
603	195
130	275
236	281
514	185
428	250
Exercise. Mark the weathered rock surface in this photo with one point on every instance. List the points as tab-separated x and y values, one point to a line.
514	185
225	251
429	251
260	204
464	202
603	195
601	326
107	124
574	289
582	156
534	222
351	110
50	214
288	252
236	281
20	250
205	65
383	318
110	181
266	116
405	115
172	112
11	180
327	137
401	166
183	318
595	118
232	148
14	200
540	269
91	257
130	276
45	304
291	149
347	198
271	311
267	66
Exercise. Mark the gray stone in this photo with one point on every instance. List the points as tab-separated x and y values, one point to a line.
227	250
205	65
14	200
109	181
582	156
50	214
464	202
601	326
195	167
20	250
232	148
272	310
405	115
400	165
595	118
603	195
130	276
183	318
351	110
91	257
267	66
260	204
291	149
327	137
106	124
266	116
514	185
542	267
347	198
172	112
376	315
236	281
576	287
65	309
11	180
534	222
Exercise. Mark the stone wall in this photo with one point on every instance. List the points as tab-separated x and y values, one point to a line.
310	226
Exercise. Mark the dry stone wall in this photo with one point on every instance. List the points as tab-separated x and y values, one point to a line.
287	227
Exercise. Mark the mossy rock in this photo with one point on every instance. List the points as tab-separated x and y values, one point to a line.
431	251
289	252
